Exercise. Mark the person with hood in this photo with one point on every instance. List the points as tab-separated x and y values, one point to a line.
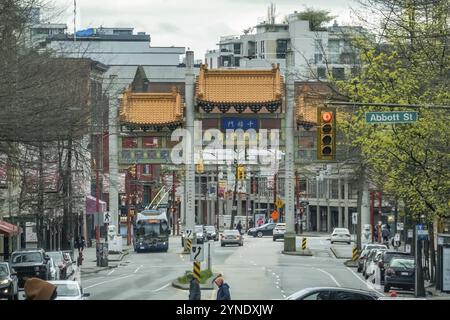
239	227
38	289
194	289
224	289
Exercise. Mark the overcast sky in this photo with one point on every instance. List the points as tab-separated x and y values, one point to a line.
194	24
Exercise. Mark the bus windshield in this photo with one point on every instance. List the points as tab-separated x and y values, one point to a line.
153	229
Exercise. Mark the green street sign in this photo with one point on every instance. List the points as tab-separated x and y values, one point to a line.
391	117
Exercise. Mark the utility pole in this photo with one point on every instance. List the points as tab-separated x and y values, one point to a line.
189	160
290	236
217	195
275	192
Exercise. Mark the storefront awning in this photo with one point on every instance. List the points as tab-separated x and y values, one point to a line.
8	229
91	205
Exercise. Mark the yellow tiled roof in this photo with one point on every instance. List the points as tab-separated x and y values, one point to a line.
151	108
239	86
307	107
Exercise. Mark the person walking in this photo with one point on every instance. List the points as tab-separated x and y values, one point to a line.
239	227
81	244
385	234
194	289
224	289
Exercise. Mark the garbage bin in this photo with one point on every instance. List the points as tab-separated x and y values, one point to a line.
102	254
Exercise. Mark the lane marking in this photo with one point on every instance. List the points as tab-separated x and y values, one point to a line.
100	283
331	276
138	268
368	284
109	273
162	288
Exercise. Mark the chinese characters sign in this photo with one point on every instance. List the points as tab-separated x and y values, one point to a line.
239	123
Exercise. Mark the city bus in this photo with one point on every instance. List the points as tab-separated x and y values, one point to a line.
151	230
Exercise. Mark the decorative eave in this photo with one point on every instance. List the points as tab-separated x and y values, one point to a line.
151	111
239	89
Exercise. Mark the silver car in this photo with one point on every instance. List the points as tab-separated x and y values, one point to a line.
231	237
69	290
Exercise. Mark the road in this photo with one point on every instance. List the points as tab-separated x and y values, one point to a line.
256	271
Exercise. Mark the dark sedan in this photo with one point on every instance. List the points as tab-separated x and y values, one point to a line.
264	230
9	283
400	273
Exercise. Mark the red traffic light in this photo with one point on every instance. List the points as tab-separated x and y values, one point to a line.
327	116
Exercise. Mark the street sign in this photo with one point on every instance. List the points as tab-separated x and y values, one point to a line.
422	233
197	253
408	248
397	237
410	233
391	117
400	226
355	218
279	203
188	233
106	217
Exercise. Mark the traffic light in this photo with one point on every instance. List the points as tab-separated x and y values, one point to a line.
240	173
326	133
199	167
132	171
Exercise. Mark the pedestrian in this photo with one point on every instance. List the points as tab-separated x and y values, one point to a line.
38	289
194	289
82	244
250	223
239	227
385	234
224	289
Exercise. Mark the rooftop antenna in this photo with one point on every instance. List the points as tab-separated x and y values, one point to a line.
74	20
271	14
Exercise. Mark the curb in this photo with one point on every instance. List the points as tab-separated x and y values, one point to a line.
306	252
351	264
336	255
206	286
115	265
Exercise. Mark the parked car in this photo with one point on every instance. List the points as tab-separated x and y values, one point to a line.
400	273
231	237
279	231
365	251
69	290
341	235
385	260
9	283
54	270
334	293
30	263
372	268
211	233
58	258
264	230
200	234
369	257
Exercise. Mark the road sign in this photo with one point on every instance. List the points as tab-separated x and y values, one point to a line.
408	248
355	218
188	233
410	233
275	215
279	203
397	237
400	226
391	117
197	253
106	217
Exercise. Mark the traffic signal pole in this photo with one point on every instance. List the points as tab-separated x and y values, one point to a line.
289	190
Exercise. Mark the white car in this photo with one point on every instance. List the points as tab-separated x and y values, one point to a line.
69	290
279	231
372	268
341	235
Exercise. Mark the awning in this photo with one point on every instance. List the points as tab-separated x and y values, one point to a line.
91	205
8	228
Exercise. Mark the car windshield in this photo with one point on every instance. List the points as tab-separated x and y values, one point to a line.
402	263
280	226
3	270
340	231
67	289
26	257
56	256
198	228
210	228
151	229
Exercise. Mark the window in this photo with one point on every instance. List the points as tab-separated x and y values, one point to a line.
321	73
263	49
147	169
282	45
318	58
237	48
149	142
334	189
237	61
322	295
251	49
210	63
333	46
318	46
129	142
343	295
338	73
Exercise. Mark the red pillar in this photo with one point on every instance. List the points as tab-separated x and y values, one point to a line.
372	214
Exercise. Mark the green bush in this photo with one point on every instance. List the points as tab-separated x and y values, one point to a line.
204	275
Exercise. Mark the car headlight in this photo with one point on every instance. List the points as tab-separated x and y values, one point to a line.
6	281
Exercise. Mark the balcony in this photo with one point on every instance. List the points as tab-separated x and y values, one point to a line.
145	156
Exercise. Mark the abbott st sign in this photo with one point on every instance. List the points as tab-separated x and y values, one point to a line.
391	117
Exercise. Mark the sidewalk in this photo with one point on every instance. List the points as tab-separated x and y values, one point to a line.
90	260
